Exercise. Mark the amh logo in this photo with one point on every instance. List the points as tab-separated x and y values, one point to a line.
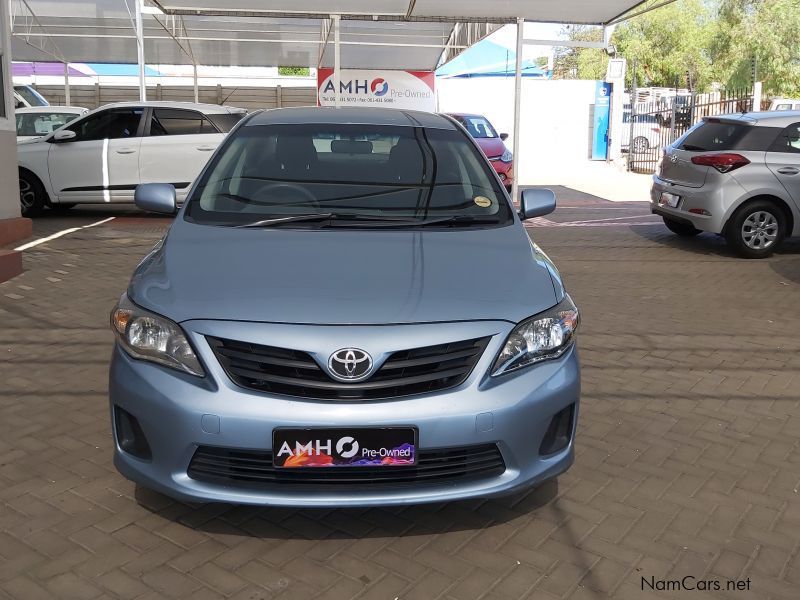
379	87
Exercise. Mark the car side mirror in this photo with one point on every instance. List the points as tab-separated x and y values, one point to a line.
504	136
156	198
63	135
537	203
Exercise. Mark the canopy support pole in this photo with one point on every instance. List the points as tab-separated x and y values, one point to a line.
518	107
196	87
140	51
67	99
337	59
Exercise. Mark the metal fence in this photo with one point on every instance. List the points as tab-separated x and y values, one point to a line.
655	124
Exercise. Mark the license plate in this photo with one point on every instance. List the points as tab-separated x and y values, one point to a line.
349	447
670	200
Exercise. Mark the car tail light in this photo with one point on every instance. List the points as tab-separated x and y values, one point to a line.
724	163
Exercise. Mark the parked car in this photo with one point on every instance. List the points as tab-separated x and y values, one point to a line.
491	144
26	96
35	122
784	104
103	155
646	133
737	175
346	311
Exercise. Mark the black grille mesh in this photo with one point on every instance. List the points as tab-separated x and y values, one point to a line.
252	468
296	373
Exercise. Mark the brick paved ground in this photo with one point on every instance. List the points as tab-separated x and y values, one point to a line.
687	451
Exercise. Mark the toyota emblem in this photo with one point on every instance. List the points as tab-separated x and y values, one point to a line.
350	364
673	159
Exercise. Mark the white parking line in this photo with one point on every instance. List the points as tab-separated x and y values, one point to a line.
609	219
60	234
542	222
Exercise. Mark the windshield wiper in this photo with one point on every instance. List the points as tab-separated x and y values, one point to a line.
459	220
316	217
288	219
337	220
452	221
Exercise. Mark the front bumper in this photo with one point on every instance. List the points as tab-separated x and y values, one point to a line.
178	413
505	171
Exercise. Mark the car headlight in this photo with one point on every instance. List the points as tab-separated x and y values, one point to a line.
542	337
507	156
151	337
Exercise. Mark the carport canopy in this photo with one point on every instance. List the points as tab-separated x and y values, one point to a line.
385	34
376	34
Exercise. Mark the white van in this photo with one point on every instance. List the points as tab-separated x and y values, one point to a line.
785	104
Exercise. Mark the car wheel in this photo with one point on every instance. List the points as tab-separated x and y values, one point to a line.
681	228
62	206
32	197
757	229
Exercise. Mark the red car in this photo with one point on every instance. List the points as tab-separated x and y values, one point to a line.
491	143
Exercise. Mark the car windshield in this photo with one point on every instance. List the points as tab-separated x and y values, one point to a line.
356	174
478	127
37	124
31	96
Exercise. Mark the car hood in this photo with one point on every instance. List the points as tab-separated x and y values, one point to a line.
492	147
341	276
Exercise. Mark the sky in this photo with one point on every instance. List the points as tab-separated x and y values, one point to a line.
507	36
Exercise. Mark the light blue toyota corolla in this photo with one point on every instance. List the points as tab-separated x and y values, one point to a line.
347	311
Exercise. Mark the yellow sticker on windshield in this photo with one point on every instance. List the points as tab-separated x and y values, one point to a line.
482	201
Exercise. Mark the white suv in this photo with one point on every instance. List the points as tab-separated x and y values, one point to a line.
102	156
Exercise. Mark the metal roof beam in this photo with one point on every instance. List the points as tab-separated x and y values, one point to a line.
280	14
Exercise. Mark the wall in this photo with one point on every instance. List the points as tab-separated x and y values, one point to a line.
555	126
92	96
9	190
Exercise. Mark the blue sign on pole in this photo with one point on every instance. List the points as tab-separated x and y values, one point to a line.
602	112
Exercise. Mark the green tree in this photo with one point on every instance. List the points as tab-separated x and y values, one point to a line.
294	71
573	63
767	31
670	44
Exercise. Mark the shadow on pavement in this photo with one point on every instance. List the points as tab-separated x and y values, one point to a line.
788	267
709	244
349	523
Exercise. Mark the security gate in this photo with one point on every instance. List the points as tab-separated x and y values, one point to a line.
652	125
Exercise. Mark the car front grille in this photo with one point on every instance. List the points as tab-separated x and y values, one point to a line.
296	373
251	468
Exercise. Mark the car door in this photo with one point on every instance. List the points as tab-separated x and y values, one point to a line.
783	159
177	144
101	163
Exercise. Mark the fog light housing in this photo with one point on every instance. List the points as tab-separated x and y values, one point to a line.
130	437
559	432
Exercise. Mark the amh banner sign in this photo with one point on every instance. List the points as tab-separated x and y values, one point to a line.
413	90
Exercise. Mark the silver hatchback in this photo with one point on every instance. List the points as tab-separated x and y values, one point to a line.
735	175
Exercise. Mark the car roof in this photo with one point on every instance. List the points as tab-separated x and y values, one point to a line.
351	116
210	109
771	118
52	109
